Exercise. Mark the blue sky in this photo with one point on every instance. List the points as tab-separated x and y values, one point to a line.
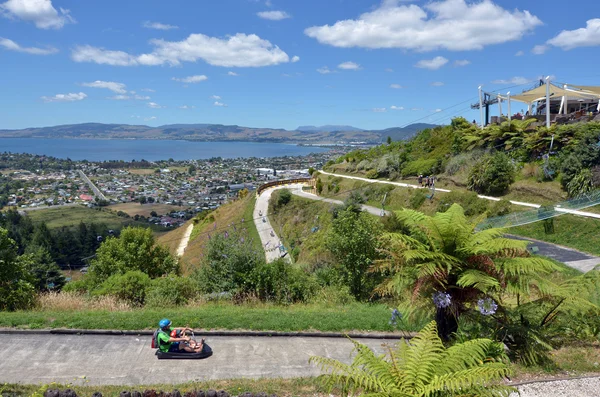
280	63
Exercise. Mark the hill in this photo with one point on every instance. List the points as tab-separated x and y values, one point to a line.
215	132
327	128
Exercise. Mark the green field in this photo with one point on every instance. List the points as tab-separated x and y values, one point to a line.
71	216
260	317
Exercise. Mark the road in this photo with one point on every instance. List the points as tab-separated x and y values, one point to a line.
268	237
370	209
96	191
129	360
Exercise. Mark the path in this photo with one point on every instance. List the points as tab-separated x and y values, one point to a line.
185	240
96	191
521	203
570	257
129	360
120	360
268	237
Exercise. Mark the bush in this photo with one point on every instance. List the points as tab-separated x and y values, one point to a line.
471	204
417	199
462	162
280	282
425	167
372	174
493	175
78	286
170	291
334	295
500	208
130	287
284	197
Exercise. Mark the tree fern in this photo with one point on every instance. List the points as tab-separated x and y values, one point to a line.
422	366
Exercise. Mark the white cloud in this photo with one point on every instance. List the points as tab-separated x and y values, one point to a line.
148	90
11	45
154	105
447	24
221	104
539	49
519	53
273	15
349	66
120	97
191	79
416	109
462	62
517	80
150	118
438	110
437	84
186	107
324	70
379	110
158	26
40	12
215	97
118	88
394	107
395	86
239	50
432	64
582	37
232	74
71	97
389	70
141	97
295	58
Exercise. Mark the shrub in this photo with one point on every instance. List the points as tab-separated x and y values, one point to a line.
426	167
79	286
500	208
334	295
493	175
471	204
280	282
462	162
417	199
130	287
372	174
171	290
284	197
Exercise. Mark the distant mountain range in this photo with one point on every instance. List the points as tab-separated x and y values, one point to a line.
328	134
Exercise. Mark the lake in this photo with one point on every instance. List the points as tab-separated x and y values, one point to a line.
151	150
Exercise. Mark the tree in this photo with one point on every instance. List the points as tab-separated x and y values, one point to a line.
229	259
45	273
16	290
311	171
423	367
493	175
192	169
319	186
389	140
134	249
444	258
353	241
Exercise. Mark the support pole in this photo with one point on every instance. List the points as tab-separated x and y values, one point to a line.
509	114
548	102
481	108
565	101
499	108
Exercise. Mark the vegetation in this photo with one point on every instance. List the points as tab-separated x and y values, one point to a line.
423	367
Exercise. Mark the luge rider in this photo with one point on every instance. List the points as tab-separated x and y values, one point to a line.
170	339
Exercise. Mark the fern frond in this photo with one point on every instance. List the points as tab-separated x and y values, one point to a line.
478	280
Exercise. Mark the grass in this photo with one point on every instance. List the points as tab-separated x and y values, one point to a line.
569	230
303	387
133	209
225	216
215	316
72	216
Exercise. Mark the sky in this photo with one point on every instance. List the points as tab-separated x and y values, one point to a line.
281	63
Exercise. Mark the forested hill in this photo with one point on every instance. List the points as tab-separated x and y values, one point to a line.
217	132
